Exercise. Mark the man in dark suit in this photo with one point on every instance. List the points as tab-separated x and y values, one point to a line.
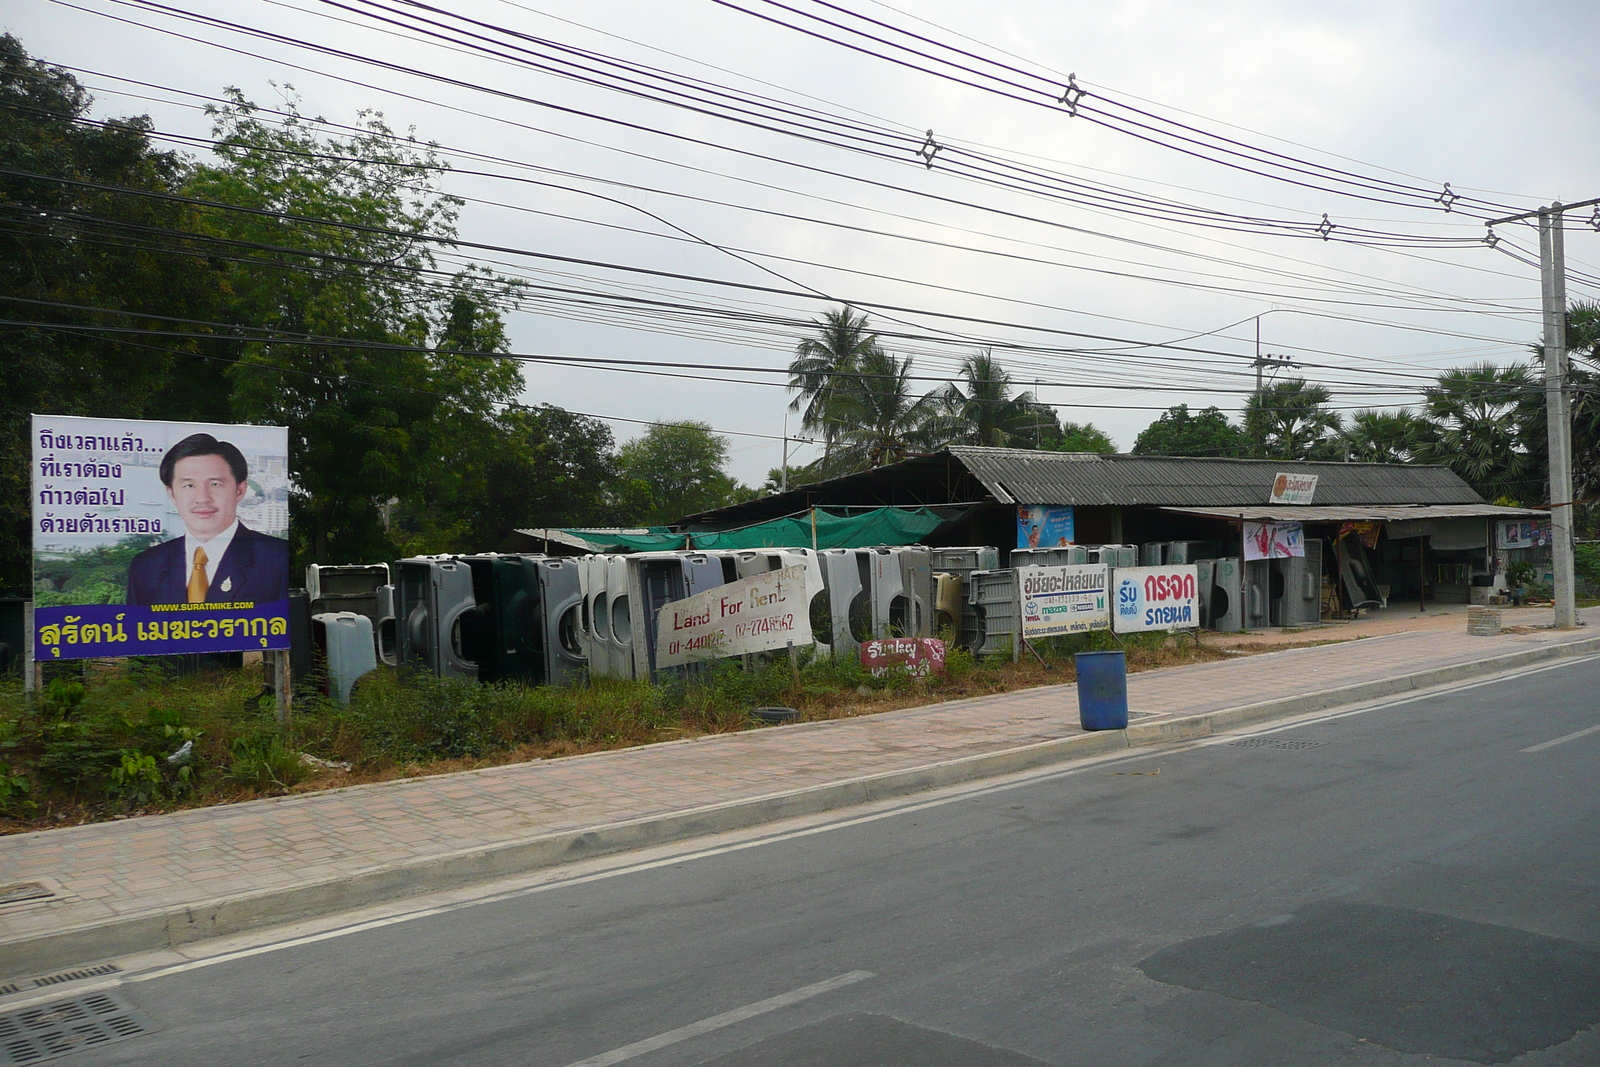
217	559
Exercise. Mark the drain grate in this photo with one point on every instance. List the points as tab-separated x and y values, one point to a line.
1273	742
42	1032
17	892
73	976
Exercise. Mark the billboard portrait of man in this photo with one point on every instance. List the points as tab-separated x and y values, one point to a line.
218	559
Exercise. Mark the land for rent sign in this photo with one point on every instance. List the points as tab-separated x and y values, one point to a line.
756	614
1063	600
156	538
1156	598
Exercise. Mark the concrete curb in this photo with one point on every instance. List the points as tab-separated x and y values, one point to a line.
42	953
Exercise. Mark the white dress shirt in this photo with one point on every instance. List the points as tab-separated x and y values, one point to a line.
215	548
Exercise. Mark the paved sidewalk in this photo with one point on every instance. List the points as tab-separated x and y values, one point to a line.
177	869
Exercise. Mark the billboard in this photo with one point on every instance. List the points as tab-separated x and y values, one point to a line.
1157	598
1525	533
1293	488
760	613
1063	600
1274	540
1044	525
158	538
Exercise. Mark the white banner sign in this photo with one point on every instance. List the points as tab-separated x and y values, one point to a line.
1063	600
1293	488
1157	598
756	614
1274	540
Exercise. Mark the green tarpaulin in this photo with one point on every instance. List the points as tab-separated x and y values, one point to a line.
884	526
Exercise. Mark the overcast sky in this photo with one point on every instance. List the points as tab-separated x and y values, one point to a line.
1499	99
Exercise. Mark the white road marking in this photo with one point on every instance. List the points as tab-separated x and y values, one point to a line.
952	795
1562	740
1427	694
727	1018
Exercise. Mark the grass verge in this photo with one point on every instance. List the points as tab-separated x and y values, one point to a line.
108	739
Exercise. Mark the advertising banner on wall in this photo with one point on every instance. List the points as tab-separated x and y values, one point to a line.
158	538
1525	533
1274	540
761	613
1063	600
1157	598
1044	525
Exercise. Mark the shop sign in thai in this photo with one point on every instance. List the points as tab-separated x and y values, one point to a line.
1293	488
1156	598
157	538
917	656
761	613
1063	600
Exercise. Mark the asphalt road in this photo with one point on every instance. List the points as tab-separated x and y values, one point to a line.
1407	885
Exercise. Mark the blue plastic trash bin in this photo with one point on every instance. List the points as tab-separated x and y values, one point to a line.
1102	690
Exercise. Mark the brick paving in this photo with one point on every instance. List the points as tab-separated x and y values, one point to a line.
157	863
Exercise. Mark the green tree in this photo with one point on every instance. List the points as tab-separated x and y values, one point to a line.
1474	428
1178	432
822	370
979	408
674	469
1583	373
1085	437
1291	420
883	419
68	246
393	416
1382	436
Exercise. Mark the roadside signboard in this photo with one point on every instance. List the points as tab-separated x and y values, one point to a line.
1156	598
1063	600
158	538
757	614
1293	488
920	656
1525	533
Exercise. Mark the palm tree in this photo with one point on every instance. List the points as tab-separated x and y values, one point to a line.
881	420
822	369
1583	381
980	407
1290	420
1474	428
1382	436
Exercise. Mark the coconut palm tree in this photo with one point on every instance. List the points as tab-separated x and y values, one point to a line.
881	418
822	369
1291	420
980	407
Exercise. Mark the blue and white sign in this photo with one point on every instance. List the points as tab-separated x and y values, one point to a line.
1044	525
1155	598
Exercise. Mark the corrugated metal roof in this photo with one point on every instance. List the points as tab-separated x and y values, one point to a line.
1362	512
1021	476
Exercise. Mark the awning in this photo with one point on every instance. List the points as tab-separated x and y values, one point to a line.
1360	512
881	526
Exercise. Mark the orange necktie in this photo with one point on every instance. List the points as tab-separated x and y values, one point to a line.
197	578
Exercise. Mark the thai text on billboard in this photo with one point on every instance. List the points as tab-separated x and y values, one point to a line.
1063	600
918	657
1156	598
157	538
1044	525
1293	488
757	614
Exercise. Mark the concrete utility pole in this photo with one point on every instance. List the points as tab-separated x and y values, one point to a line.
1558	406
1558	415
